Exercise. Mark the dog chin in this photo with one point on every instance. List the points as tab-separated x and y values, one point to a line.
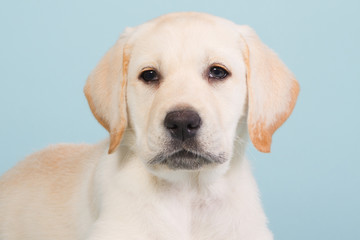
186	160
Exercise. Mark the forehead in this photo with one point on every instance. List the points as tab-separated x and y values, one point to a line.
185	37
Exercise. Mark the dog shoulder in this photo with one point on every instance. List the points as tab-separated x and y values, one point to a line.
49	179
57	163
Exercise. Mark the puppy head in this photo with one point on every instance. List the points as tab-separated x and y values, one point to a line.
181	85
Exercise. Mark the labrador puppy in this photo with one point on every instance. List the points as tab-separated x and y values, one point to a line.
179	95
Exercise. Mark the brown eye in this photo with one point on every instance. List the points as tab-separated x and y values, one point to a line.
217	72
149	76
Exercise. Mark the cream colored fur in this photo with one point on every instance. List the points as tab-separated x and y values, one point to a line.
82	192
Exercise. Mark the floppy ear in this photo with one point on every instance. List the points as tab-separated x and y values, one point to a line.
272	90
105	91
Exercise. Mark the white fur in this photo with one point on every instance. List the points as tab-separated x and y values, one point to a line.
82	192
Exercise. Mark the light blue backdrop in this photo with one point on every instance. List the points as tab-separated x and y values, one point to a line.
310	183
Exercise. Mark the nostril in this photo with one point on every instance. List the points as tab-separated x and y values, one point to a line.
170	125
193	126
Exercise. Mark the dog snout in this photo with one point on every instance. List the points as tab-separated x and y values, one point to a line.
183	124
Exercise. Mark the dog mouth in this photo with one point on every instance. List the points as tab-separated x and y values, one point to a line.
186	159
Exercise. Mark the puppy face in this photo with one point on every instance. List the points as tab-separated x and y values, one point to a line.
186	93
181	83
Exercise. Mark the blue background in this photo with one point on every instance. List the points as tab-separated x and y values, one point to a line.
310	183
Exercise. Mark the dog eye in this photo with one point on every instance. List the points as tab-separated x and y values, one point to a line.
217	72
149	76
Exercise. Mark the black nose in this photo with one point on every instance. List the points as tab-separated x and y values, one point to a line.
182	124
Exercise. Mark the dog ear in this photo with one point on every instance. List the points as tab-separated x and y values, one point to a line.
272	90
105	91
